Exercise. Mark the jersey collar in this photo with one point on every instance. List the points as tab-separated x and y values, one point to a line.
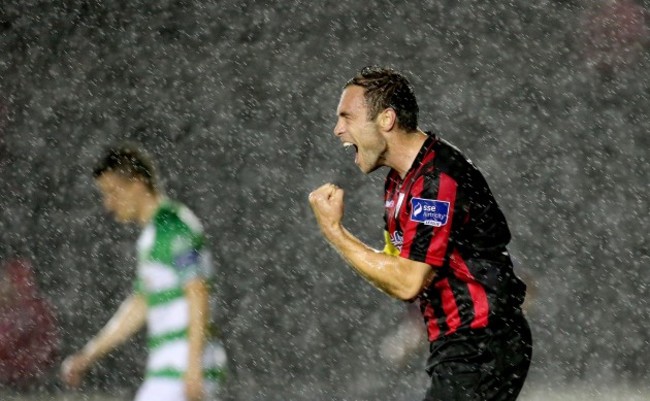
426	147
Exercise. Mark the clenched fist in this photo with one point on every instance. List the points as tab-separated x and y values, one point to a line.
327	204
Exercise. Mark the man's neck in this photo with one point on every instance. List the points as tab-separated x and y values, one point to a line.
150	203
403	150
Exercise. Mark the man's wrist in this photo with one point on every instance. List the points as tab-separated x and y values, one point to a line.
333	233
87	353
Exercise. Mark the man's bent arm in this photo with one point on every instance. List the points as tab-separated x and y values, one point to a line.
399	277
128	319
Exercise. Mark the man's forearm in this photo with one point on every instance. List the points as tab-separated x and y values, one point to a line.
197	295
128	319
389	273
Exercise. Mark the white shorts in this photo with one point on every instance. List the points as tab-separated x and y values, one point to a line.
166	389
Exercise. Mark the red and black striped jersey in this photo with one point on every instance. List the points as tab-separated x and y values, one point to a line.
443	213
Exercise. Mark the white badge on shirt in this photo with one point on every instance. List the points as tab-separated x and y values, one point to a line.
429	212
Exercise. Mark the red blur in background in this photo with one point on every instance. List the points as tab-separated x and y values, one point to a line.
615	33
29	335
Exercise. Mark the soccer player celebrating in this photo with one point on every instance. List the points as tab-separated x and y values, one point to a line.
171	290
445	242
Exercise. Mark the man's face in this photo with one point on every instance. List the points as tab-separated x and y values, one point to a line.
120	195
355	130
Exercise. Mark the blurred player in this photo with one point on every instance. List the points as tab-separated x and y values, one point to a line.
171	291
445	242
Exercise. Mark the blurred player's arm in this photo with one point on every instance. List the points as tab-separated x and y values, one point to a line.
196	291
399	277
128	319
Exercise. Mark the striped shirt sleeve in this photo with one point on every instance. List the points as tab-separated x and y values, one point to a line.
426	220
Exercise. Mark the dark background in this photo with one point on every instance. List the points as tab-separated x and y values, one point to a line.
236	101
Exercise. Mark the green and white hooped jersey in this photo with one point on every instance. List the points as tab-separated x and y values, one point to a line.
171	252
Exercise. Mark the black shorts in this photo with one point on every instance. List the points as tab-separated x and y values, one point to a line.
486	365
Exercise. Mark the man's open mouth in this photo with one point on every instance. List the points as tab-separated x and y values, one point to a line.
350	145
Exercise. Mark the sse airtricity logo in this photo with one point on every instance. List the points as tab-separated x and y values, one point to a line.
429	212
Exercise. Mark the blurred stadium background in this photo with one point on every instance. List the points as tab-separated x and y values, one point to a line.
236	101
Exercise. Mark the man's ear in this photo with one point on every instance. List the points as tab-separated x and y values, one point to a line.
387	119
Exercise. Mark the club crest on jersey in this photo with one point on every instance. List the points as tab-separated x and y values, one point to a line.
429	212
397	239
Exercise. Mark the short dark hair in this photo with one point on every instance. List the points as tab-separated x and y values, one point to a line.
386	88
130	162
